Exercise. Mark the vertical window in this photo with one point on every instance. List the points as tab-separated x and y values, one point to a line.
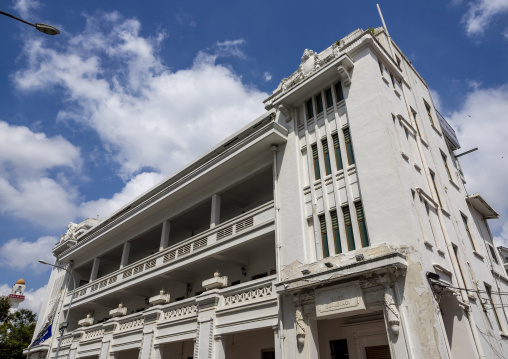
349	228
361	224
413	112
336	146
336	235
380	67
464	219
349	147
324	236
494	310
315	160
310	111
431	119
433	176
338	92
398	61
393	81
329	98
455	251
328	167
446	167
493	253
319	103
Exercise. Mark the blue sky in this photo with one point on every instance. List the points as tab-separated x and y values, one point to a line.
131	91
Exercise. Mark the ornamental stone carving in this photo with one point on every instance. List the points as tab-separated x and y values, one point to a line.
86	321
216	282
392	313
162	298
300	327
118	312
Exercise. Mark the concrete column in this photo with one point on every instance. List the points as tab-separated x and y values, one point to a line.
125	254
204	334
276	340
146	346
166	226
158	351
215	217
95	269
313	342
104	354
219	347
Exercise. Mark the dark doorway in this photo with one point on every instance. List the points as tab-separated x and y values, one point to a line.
378	352
339	349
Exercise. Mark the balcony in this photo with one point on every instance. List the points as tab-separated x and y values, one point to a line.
256	300
252	226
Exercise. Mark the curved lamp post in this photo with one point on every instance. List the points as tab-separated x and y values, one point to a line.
65	323
47	29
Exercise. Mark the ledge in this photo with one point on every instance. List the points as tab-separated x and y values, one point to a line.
478	255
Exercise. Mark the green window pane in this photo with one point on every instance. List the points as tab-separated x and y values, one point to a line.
315	158
319	103
324	236
336	234
328	167
338	92
349	228
336	146
310	111
349	147
361	224
329	98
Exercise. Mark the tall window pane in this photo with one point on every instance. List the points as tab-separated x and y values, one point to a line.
464	219
310	111
338	92
361	224
446	167
336	234
329	98
328	167
315	160
349	147
324	236
319	103
349	228
336	146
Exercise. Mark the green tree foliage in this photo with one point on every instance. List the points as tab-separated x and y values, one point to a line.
16	330
5	304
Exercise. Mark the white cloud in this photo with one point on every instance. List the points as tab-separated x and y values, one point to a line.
19	254
481	13
230	48
136	186
24	7
145	115
33	297
26	190
24	153
267	76
481	122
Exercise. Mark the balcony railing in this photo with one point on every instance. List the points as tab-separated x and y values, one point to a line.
242	295
240	224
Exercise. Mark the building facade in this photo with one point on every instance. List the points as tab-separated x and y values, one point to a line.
336	225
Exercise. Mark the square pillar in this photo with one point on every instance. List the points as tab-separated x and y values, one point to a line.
166	226
95	269
215	216
125	254
158	351
219	347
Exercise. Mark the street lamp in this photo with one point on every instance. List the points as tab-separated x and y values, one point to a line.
47	29
66	322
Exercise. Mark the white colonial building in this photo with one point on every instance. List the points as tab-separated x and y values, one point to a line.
336	225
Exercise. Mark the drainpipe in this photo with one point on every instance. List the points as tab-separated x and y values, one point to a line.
275	149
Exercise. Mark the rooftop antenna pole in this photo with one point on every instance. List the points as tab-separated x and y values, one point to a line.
386	30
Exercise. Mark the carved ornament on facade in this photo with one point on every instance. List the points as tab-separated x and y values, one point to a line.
392	313
300	327
118	312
